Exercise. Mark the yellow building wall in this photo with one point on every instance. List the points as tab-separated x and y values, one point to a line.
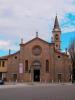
3	68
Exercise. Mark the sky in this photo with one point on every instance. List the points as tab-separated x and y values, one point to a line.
23	18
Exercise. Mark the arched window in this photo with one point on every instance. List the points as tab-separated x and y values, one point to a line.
3	63
56	46
47	66
56	36
26	65
0	63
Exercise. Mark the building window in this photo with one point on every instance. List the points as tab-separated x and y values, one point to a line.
58	56
26	65
15	57
56	45
47	66
14	77
0	63
3	63
56	37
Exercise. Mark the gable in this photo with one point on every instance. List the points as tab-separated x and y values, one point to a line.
37	40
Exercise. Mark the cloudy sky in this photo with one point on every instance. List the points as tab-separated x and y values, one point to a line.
22	18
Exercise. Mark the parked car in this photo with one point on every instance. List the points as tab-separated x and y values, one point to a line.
1	82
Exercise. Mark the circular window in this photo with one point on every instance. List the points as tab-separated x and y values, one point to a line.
36	50
15	57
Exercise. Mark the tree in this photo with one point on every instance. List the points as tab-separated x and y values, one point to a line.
72	55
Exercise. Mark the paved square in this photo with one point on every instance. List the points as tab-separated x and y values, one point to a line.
38	92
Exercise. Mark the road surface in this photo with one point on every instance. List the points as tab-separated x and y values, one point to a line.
38	92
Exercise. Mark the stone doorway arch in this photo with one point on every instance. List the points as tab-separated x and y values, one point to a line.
36	71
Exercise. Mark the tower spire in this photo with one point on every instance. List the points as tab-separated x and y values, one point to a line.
56	23
56	34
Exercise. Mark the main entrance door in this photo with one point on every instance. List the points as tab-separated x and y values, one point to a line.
36	71
36	75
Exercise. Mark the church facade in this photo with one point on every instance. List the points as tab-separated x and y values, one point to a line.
37	61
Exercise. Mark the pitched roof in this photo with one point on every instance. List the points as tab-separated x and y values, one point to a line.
7	56
62	53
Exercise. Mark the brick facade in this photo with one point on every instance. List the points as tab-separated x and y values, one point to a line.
38	61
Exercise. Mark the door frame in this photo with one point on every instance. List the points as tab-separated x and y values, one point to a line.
36	65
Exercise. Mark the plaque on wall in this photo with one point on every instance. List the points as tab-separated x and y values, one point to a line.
20	68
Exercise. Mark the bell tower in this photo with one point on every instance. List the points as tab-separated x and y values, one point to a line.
56	34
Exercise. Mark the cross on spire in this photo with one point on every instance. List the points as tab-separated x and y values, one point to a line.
36	34
9	51
21	40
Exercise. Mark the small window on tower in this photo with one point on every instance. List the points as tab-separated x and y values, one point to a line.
56	37
56	45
